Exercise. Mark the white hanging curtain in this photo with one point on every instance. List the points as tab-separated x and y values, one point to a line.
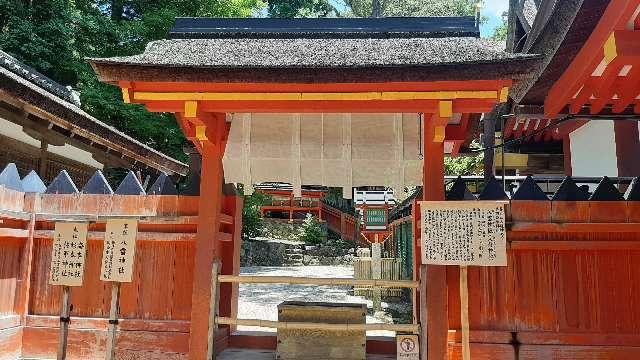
336	150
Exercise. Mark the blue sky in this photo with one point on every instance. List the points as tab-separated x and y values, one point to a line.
493	10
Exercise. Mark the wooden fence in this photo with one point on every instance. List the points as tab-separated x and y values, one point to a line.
390	269
570	288
155	308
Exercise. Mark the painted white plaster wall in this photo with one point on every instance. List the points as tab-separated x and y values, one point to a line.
593	150
14	131
73	153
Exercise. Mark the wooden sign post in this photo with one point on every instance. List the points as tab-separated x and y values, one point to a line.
463	233
67	269
118	255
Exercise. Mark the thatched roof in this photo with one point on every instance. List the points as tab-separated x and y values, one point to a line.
315	50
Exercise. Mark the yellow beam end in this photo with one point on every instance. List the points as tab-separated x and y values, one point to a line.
445	109
125	96
201	133
439	134
610	49
504	94
190	109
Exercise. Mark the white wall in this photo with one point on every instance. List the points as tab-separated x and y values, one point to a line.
15	131
593	150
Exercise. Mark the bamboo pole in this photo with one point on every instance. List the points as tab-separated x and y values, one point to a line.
213	309
318	326
64	323
316	281
464	313
113	321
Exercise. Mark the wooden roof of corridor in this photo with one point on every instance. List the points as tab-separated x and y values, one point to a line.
52	108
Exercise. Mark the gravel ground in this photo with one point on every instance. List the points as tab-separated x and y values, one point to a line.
260	301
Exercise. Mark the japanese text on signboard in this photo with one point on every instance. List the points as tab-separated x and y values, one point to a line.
68	254
463	233
118	253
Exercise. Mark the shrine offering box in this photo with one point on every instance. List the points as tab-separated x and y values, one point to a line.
321	344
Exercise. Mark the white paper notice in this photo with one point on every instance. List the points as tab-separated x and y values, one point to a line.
463	233
68	254
118	254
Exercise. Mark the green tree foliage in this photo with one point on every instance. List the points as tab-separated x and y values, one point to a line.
252	223
369	8
300	8
500	32
312	232
471	164
55	37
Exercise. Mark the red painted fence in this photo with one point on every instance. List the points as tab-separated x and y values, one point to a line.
570	290
155	308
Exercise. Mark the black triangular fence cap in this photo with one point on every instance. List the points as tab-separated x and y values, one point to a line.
633	192
569	191
529	190
459	191
163	186
33	184
493	191
606	191
130	185
98	184
10	178
62	184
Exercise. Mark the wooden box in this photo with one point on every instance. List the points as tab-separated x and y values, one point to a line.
321	344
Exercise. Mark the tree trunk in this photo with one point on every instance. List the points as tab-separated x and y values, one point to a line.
489	142
376	9
117	7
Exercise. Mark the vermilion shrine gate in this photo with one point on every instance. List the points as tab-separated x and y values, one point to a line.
278	86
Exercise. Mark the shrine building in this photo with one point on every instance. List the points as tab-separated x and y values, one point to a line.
576	114
43	129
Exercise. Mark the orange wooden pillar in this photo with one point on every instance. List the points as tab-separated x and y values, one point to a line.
437	326
230	254
210	135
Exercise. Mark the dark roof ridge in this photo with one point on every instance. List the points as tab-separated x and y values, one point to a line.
388	27
28	73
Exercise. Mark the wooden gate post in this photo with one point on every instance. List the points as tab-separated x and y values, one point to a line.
211	144
113	321
464	313
436	330
64	323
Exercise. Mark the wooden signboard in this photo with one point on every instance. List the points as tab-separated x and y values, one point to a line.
407	347
463	233
68	254
119	250
118	256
